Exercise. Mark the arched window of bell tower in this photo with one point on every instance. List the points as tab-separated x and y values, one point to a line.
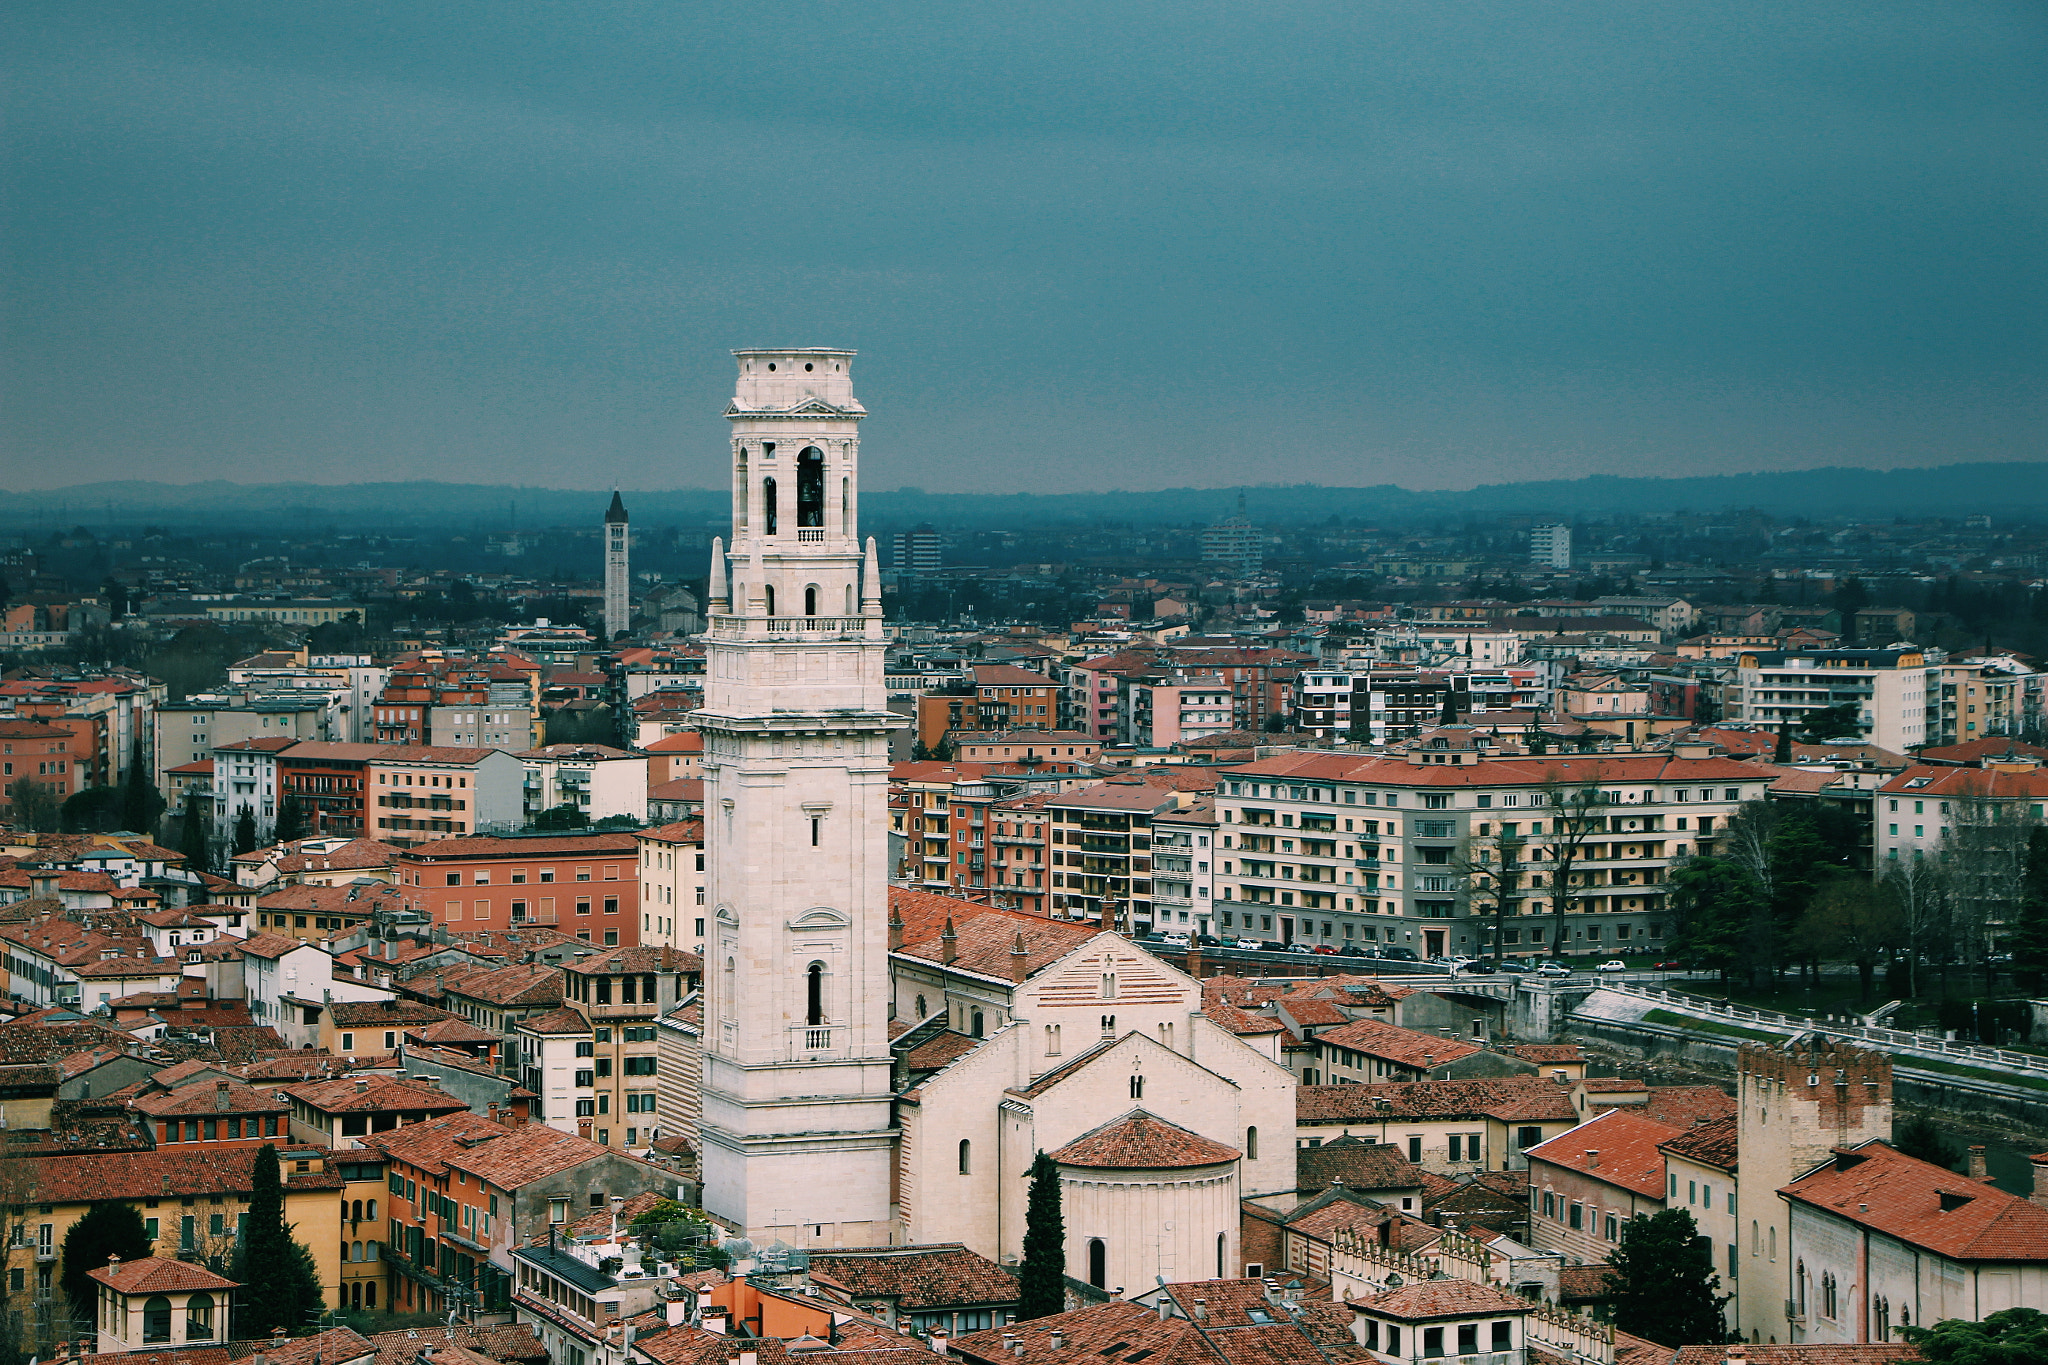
846	506
739	512
814	989
849	599
810	487
768	596
811	600
768	506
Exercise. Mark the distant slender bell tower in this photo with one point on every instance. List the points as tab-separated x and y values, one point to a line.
798	1135
618	578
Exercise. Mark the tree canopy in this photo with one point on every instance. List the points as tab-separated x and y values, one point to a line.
2011	1336
107	1230
280	1284
1662	1285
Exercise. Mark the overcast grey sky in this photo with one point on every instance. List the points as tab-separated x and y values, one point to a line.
1079	245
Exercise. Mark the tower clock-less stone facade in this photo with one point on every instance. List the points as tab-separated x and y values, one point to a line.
797	1130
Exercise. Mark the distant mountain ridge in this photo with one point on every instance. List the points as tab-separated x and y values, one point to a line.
2005	491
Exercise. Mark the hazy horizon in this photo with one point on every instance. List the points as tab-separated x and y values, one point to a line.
1139	246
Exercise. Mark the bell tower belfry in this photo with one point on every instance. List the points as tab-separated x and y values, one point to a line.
798	1139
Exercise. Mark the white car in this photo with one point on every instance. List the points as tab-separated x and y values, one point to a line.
1174	940
1553	969
1617	965
1251	943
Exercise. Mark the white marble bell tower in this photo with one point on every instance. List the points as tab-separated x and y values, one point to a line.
797	1129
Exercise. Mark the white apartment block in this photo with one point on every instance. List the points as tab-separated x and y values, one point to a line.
1890	688
1918	809
1334	848
596	779
1550	547
1183	868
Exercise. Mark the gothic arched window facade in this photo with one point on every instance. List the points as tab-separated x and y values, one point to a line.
810	487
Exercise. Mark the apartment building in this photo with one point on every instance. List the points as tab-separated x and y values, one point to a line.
328	783
189	730
1164	713
115	709
458	703
418	793
619	995
580	884
1932	812
1183	861
40	754
1017	853
1587	1183
594	779
1413	851
1024	746
1102	851
1891	689
245	779
943	812
1975	699
672	910
996	697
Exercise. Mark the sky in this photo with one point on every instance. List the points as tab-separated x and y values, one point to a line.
1080	244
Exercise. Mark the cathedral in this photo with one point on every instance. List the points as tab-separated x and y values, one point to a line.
880	1065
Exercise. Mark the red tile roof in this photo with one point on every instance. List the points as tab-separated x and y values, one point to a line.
547	846
914	1277
1142	1141
1377	1038
159	1174
1444	1299
1711	1143
363	1094
1625	1148
159	1275
1528	1099
506	1157
1927	1206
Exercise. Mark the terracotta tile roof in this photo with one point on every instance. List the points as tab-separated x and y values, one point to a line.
1711	1143
336	1346
1307	1012
945	1049
1528	1099
510	1342
924	913
613	961
451	1031
1228	1016
1626	1146
556	1021
363	1094
1634	1350
1359	1165
176	1355
350	898
548	846
222	1097
679	832
1444	1299
1548	1052
1580	1283
1927	1206
1982	783
383	1013
1142	1141
269	945
531	984
986	943
1684	1105
506	1157
354	855
159	1275
159	1174
1104	1333
915	1277
1377	1038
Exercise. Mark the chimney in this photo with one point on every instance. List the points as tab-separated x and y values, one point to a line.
220	1096
1058	1340
714	1324
2040	1164
938	1339
948	942
1165	1307
1201	1310
361	1085
895	930
672	1312
1737	1356
1019	959
1592	1158
1977	1170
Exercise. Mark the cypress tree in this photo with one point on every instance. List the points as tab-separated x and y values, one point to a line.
107	1230
195	837
1662	1283
280	1286
245	830
1042	1275
1783	753
141	803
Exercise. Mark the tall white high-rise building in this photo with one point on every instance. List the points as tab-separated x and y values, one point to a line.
798	1134
1550	547
618	580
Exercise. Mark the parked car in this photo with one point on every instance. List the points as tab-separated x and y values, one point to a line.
1353	950
1515	965
1613	965
1479	967
1553	969
1298	948
1673	966
1325	950
1174	940
1400	954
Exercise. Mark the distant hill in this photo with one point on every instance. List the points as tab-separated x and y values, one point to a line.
2005	491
